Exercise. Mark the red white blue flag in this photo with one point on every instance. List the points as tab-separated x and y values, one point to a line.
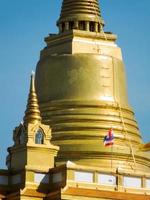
109	138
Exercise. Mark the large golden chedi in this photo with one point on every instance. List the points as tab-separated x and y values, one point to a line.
81	87
80	91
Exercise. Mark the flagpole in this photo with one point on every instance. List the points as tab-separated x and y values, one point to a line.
111	153
108	141
111	156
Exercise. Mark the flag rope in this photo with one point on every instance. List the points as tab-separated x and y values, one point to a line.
126	135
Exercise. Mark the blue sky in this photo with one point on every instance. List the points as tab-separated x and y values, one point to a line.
23	26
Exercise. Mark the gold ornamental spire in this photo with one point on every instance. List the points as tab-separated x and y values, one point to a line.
81	15
32	113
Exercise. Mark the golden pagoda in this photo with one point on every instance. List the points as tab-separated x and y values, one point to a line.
81	86
77	101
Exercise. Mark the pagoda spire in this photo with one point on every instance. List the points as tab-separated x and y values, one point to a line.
80	14
32	113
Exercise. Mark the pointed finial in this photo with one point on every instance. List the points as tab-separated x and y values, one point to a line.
32	86
32	113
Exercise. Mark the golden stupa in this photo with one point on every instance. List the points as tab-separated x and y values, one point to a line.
77	98
81	86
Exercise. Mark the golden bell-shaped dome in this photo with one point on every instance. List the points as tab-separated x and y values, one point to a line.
81	87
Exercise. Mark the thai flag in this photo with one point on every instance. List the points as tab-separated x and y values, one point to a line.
109	138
